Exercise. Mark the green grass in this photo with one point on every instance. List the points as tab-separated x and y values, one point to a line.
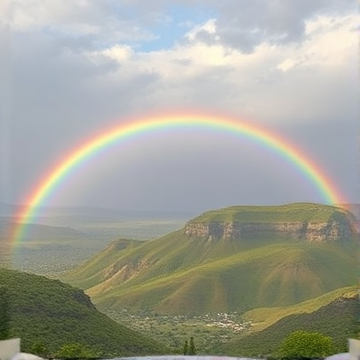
91	272
264	317
297	212
279	274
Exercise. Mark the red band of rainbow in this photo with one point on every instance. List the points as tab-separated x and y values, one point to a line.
53	179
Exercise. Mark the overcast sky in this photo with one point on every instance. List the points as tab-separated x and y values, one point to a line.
71	68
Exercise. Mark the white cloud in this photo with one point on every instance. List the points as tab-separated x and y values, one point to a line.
273	81
5	8
119	53
332	40
77	18
208	27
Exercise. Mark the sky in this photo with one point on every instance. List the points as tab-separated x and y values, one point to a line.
72	68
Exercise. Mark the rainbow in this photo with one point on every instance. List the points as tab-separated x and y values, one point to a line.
57	174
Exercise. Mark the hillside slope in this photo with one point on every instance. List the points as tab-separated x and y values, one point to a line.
57	314
338	319
206	267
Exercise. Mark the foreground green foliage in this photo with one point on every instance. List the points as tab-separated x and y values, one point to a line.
303	344
39	348
76	350
47	315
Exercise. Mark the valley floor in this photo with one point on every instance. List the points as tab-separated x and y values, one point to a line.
208	330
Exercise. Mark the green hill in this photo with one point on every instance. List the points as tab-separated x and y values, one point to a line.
338	318
294	212
262	318
307	251
56	314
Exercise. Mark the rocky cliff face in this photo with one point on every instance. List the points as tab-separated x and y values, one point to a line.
332	230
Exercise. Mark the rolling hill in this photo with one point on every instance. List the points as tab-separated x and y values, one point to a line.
233	259
57	314
336	314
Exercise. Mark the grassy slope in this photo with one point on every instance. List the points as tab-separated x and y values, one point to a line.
264	317
338	317
92	271
58	314
274	275
296	212
175	274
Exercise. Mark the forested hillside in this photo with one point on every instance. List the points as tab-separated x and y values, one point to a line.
55	314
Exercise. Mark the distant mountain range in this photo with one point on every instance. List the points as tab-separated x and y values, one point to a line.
40	232
61	238
233	259
9	210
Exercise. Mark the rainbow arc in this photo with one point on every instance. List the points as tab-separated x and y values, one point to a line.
53	179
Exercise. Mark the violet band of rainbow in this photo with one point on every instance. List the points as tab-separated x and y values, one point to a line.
52	180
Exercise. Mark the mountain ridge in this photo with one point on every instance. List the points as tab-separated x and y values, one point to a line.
300	221
182	273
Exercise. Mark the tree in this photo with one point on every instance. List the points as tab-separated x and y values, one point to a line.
189	349
39	348
76	350
302	344
4	313
192	349
186	347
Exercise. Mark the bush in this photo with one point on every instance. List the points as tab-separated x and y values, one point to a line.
303	344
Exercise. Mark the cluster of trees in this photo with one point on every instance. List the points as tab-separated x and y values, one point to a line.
67	351
298	345
189	348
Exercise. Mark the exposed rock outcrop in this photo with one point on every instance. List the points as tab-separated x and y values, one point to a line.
337	228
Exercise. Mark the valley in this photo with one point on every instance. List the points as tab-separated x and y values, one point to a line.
208	330
229	278
59	241
254	331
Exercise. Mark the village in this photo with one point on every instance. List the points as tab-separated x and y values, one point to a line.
207	329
